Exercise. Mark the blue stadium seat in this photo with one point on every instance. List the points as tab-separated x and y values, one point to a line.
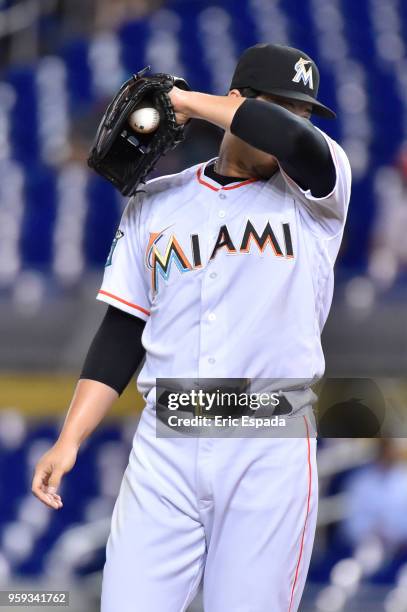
103	217
39	217
75	55
24	114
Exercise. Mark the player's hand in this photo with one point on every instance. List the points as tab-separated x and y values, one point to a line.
49	471
179	100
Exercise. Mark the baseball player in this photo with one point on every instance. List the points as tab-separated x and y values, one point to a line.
224	270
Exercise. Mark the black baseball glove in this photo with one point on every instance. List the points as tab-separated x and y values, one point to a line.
126	157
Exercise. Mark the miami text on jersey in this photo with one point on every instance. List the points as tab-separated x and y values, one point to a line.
159	262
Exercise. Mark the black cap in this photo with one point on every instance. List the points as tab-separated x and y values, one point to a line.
282	71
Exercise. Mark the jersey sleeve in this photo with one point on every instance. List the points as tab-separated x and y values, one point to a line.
327	215
125	283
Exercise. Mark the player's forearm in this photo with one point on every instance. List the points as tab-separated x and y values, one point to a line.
299	147
92	400
218	110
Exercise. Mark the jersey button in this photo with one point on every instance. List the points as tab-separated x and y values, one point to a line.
212	316
213	275
211	360
222	214
222	195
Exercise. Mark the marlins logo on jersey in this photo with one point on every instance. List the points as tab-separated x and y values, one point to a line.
160	262
303	73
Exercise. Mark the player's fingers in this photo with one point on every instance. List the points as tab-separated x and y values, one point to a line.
53	485
39	488
51	491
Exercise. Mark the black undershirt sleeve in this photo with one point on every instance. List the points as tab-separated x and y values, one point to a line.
299	147
116	350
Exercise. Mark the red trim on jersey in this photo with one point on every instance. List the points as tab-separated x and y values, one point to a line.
203	182
146	312
198	174
306	515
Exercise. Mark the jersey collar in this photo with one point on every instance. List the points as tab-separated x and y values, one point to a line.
206	181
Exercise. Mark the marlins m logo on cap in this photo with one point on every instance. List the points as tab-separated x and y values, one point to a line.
303	73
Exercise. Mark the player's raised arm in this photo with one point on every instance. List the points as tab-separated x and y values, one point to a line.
271	98
114	356
274	125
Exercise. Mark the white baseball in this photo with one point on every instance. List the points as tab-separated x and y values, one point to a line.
144	120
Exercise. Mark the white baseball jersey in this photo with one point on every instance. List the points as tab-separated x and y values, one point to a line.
232	281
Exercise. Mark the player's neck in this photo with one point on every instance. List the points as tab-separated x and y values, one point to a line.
229	164
226	168
236	159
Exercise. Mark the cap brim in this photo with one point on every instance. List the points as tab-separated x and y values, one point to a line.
317	108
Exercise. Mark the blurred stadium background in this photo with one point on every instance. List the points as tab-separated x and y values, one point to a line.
60	62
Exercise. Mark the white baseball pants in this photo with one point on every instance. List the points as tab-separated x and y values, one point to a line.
238	512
